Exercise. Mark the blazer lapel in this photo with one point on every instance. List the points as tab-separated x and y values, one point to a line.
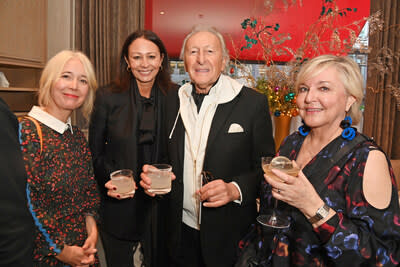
131	124
180	144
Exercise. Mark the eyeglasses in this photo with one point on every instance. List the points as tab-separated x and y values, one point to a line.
206	177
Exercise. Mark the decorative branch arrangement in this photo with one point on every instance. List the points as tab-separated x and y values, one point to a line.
322	37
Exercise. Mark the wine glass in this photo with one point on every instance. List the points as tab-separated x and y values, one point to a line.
284	164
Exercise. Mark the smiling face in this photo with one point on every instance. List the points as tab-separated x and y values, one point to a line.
322	100
69	90
144	60
204	60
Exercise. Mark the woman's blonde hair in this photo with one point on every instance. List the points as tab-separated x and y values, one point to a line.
52	72
349	75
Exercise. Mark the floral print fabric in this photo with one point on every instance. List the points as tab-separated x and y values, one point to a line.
62	189
358	235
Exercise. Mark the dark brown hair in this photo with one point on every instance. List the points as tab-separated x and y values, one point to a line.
163	78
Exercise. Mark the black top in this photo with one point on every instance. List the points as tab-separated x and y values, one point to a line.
198	98
147	125
16	223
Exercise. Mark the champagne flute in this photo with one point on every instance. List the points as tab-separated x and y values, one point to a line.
284	164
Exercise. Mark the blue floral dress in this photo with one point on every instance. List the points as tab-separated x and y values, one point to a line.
358	235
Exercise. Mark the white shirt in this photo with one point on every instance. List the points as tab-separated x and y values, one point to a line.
49	120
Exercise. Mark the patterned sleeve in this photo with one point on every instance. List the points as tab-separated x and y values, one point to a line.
49	239
360	233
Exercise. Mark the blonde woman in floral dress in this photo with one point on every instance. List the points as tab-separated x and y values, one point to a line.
62	194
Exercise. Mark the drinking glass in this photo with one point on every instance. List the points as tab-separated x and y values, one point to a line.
160	175
284	164
123	181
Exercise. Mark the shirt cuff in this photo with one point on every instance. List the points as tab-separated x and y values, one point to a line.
238	201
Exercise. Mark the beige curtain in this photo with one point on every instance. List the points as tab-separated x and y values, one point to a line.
381	116
101	27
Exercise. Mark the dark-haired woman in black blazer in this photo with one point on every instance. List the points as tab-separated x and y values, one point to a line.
124	133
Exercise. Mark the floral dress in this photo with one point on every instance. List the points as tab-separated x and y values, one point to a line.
358	235
61	189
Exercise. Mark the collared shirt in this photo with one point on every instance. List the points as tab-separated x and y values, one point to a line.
49	120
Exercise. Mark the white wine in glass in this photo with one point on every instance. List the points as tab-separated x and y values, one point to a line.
284	164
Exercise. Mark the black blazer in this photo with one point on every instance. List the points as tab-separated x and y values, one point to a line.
231	157
16	223
113	142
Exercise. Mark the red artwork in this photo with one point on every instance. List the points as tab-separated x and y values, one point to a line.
173	19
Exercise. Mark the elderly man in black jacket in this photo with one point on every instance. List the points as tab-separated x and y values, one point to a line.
217	125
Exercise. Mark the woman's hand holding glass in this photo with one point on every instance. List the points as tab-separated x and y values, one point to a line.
121	184
296	191
269	164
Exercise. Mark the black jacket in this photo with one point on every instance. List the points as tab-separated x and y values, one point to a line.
113	142
16	223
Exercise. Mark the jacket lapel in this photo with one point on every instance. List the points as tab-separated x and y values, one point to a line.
131	128
176	133
180	145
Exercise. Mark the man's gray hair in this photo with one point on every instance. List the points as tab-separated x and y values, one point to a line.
210	29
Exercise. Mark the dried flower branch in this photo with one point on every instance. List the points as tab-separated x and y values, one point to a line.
322	37
383	61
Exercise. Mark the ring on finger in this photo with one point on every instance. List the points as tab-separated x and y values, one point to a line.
279	191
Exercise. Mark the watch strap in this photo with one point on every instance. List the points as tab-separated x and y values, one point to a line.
321	213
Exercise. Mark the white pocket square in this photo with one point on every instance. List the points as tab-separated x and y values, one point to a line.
235	128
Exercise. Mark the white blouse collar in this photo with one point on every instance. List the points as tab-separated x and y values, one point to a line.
49	120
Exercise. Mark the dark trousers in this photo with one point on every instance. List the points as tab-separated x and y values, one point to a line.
119	253
189	249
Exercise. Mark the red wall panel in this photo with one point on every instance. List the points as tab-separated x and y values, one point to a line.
173	19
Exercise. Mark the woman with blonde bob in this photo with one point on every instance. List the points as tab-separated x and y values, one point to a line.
343	205
61	190
53	70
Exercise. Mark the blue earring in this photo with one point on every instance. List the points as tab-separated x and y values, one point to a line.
304	129
348	132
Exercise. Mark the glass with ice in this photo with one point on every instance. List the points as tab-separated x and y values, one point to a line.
123	181
160	175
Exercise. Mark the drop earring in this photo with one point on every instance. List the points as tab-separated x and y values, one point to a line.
348	132
304	129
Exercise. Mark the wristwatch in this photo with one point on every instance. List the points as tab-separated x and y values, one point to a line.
321	213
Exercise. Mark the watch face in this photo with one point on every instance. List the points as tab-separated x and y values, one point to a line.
323	211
